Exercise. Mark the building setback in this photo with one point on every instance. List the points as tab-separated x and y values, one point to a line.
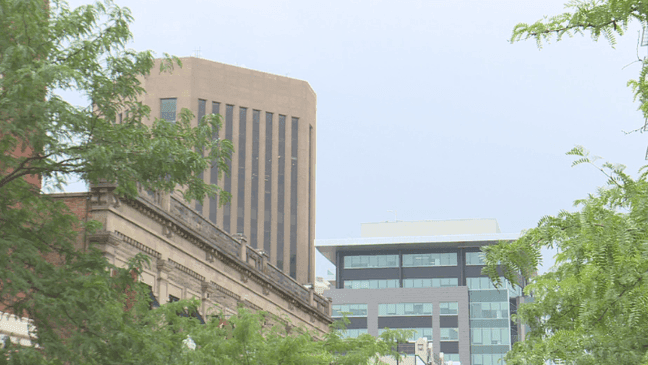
429	283
271	120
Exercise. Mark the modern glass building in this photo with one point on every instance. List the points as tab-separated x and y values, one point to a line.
432	284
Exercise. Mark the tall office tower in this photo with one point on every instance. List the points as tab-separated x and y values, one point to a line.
426	276
271	120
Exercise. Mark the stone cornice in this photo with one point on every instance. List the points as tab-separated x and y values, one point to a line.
216	244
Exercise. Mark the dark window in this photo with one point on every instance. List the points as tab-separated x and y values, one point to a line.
267	189
310	200
240	221
168	109
202	105
154	302
213	202
294	144
173	299
281	190
121	118
254	198
227	185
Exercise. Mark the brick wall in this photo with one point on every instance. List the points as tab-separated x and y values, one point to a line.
78	205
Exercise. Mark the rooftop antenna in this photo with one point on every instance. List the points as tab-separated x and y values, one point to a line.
395	215
197	53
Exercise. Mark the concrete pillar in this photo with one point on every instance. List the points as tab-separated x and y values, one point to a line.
243	241
203	300
264	261
311	299
330	306
164	268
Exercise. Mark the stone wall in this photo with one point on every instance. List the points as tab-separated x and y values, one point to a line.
192	258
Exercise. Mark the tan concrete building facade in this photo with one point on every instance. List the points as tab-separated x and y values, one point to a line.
271	120
192	258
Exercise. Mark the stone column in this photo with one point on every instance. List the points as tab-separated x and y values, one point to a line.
205	295
164	268
311	299
330	307
264	261
243	241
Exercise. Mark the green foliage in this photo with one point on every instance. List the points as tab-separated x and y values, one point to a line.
47	49
250	338
592	308
84	311
606	18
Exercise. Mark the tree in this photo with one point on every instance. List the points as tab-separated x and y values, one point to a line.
84	310
592	308
246	340
76	300
607	18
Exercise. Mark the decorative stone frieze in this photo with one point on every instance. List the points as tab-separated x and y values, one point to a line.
241	267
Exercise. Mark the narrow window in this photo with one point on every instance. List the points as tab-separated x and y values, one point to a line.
267	189
202	105
240	212
213	202
294	144
310	200
227	184
281	161
254	195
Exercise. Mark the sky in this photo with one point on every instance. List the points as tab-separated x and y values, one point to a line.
425	110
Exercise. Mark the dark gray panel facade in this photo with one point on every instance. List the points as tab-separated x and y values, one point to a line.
357	322
364	274
405	322
450	347
449	321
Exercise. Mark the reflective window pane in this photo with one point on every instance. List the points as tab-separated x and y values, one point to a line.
419	333
353	333
429	259
367	262
474	258
351	310
168	109
370	284
405	309
449	334
449	308
430	283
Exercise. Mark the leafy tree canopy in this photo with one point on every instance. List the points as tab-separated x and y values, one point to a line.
592	308
45	49
84	310
606	18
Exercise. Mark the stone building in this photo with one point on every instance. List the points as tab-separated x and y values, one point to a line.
191	257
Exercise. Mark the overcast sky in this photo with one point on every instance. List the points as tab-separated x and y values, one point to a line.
424	107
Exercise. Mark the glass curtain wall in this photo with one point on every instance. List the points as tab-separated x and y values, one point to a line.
490	321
